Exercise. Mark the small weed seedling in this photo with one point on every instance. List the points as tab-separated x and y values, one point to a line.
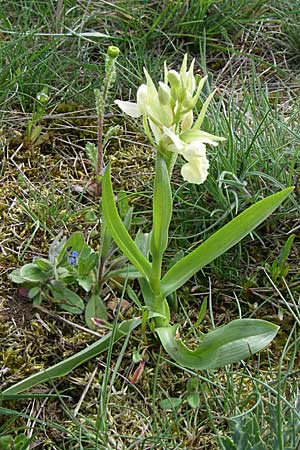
33	128
280	267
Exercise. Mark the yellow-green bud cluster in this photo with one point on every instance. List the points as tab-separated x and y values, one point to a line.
110	76
113	51
110	61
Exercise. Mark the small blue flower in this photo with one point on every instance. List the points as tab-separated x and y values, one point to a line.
73	258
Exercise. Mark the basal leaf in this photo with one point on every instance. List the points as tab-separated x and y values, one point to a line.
31	272
43	264
64	367
221	241
95	308
15	277
87	282
228	344
68	300
171	403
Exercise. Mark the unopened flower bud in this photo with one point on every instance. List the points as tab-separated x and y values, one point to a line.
113	51
43	98
164	94
187	121
188	100
174	79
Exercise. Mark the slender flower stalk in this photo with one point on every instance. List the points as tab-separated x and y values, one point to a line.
101	98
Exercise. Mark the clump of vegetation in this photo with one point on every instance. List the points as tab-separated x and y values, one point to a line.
135	396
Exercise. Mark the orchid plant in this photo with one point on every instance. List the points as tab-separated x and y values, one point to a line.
168	119
169	124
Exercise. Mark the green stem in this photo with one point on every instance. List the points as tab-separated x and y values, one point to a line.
156	273
100	137
162	212
99	153
160	304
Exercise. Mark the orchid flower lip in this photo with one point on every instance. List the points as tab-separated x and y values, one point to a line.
196	170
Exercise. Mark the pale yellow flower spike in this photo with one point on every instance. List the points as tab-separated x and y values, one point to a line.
168	118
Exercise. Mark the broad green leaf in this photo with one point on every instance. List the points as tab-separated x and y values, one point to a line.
193	397
192	385
37	299
162	207
72	303
15	277
193	400
66	275
228	344
34	291
31	272
87	261
285	252
43	264
221	241
87	282
171	403
68	300
118	230
75	242
64	367
95	308
128	271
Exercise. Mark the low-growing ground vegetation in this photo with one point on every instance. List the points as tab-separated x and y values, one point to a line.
250	52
